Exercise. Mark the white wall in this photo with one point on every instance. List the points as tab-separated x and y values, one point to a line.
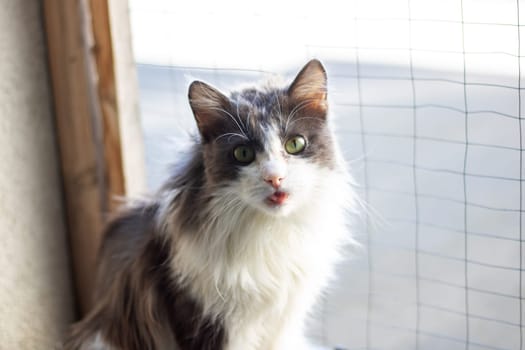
36	300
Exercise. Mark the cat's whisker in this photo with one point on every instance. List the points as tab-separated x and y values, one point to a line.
303	118
230	135
238	115
375	218
219	292
298	107
294	111
280	110
231	117
248	118
358	160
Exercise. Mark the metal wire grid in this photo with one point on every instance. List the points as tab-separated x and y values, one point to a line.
476	271
465	341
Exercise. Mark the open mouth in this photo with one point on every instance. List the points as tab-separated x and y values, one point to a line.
277	198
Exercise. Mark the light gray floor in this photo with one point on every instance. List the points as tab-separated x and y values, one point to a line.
441	235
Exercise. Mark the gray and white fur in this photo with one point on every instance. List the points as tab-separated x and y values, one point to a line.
229	255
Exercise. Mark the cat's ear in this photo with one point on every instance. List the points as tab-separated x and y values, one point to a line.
208	105
309	87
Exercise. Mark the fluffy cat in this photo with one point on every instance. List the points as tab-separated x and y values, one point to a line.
236	247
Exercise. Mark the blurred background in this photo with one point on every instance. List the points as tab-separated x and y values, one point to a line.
426	103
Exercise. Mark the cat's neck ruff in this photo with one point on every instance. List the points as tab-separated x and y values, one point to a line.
243	254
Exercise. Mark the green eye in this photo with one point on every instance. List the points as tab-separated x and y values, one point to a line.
295	145
244	154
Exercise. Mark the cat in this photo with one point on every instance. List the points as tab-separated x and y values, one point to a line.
237	246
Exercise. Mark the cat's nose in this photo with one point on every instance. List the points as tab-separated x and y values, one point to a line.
274	180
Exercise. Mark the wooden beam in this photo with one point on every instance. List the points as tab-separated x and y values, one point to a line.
104	83
85	89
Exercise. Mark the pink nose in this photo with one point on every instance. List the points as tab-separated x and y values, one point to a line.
274	181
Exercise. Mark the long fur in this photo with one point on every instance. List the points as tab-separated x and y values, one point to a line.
273	273
205	264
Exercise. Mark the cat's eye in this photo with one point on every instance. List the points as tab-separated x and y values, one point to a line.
244	154
295	145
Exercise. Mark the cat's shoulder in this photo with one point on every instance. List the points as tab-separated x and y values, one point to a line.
130	229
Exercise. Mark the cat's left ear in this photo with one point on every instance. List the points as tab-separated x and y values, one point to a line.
309	87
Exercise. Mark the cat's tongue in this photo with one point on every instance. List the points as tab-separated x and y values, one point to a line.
278	198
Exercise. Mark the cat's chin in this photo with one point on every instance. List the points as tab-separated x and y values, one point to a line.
276	211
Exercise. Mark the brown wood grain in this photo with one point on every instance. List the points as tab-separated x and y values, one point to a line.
107	99
84	84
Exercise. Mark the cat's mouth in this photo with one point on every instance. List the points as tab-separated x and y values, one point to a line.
277	198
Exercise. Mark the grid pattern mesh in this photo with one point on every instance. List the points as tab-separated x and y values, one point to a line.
426	97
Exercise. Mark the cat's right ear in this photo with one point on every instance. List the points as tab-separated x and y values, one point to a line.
208	106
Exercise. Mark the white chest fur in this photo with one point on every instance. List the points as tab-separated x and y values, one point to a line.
259	274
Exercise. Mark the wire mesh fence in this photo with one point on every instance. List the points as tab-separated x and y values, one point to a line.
426	98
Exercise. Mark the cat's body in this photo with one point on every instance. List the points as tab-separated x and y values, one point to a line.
239	243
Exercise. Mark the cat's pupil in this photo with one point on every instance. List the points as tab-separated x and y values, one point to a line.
244	154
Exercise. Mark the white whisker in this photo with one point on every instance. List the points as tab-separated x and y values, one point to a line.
248	117
230	135
281	117
303	118
232	118
238	115
294	111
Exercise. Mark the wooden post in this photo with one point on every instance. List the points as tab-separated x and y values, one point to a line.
86	95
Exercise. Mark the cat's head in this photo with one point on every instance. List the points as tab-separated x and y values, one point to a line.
270	148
